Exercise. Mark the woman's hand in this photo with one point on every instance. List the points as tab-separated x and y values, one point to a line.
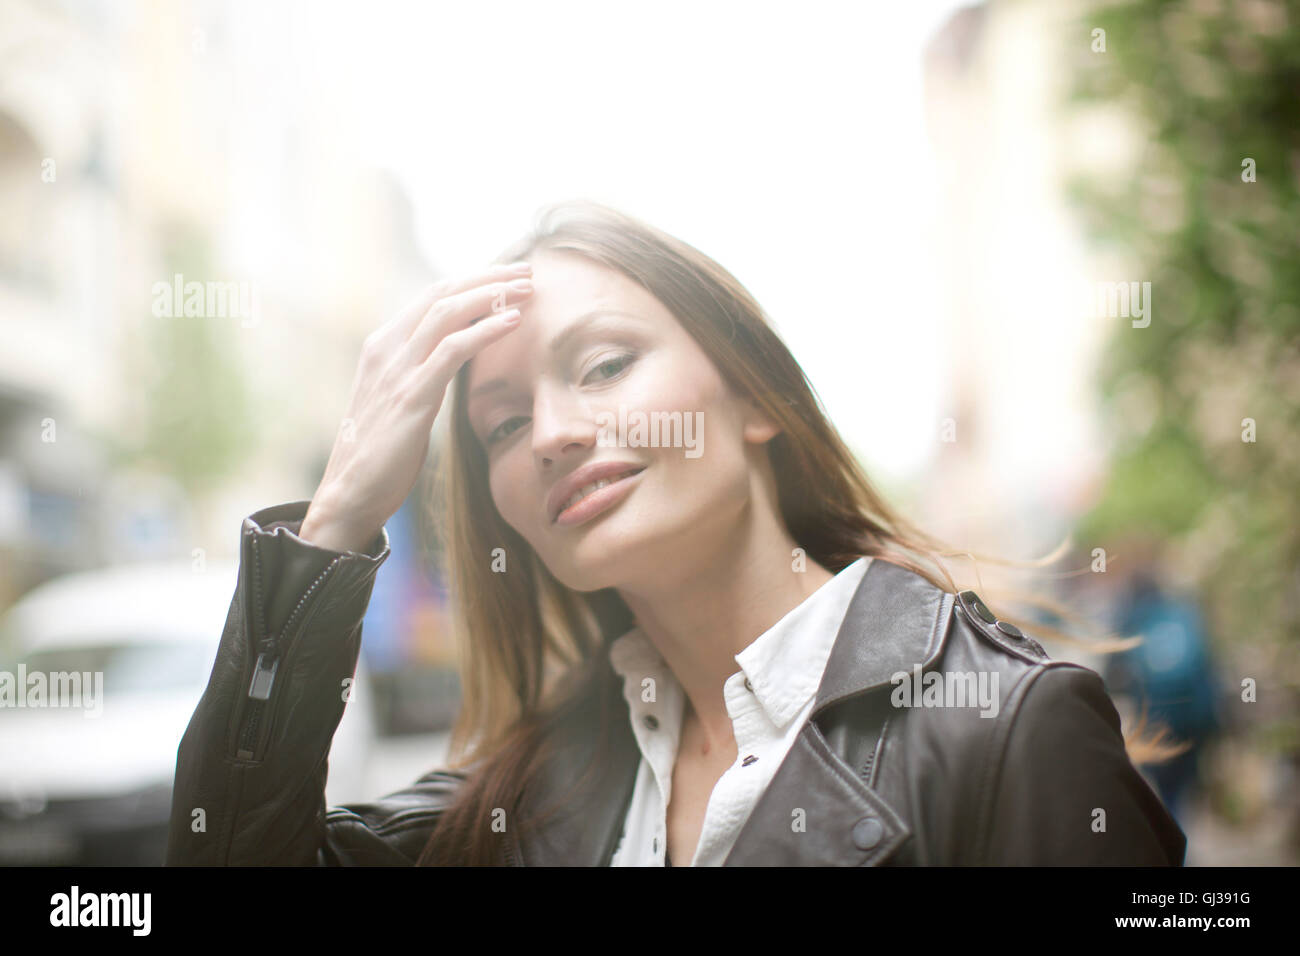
402	376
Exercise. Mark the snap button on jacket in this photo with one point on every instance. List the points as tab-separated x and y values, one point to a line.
1042	780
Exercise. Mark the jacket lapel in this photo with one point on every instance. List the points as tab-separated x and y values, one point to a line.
817	811
896	619
586	829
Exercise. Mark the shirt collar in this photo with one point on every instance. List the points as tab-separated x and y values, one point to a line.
784	665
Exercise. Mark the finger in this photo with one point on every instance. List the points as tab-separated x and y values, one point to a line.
399	328
458	348
453	313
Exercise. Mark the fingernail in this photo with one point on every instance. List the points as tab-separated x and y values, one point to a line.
521	285
510	318
521	266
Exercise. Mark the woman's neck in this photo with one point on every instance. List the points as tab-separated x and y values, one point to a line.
707	610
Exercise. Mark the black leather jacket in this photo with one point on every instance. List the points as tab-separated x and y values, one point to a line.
1044	781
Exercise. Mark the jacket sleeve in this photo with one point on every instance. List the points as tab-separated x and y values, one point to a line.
251	767
1067	792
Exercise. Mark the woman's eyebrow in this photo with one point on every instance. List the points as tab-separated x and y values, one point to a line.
490	386
583	323
587	319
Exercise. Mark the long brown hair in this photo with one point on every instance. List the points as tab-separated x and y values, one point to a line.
531	648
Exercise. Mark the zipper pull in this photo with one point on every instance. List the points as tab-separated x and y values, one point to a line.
263	677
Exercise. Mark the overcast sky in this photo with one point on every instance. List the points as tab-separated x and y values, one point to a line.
785	141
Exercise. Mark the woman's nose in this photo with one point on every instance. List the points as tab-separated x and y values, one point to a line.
561	420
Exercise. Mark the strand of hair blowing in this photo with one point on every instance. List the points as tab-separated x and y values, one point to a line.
533	662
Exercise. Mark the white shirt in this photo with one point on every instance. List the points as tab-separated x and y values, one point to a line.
784	668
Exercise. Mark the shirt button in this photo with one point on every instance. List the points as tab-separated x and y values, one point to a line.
748	686
652	721
748	760
867	833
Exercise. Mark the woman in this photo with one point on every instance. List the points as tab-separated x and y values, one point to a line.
692	631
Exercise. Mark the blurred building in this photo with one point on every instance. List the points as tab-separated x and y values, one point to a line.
136	142
1027	447
57	287
1027	451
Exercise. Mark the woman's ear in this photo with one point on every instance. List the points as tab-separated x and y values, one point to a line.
759	427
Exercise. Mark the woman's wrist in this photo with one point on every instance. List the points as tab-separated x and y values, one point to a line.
323	528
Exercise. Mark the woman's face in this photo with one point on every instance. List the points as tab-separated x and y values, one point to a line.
594	355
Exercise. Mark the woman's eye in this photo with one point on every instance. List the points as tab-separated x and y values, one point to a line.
497	434
615	365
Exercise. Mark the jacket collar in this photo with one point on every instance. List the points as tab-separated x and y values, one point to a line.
895	620
783	666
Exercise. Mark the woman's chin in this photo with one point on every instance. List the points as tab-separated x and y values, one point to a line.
600	557
594	569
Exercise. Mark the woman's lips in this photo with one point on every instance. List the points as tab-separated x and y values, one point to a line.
599	500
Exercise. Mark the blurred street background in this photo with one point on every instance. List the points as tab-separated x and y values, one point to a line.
1038	258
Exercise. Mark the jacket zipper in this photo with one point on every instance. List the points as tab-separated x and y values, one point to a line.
871	757
269	655
510	850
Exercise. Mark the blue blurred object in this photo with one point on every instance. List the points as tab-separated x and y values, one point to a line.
417	689
384	640
1172	673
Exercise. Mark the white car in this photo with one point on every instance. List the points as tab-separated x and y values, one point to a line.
78	788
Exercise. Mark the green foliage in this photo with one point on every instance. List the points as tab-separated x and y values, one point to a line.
192	418
1208	85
